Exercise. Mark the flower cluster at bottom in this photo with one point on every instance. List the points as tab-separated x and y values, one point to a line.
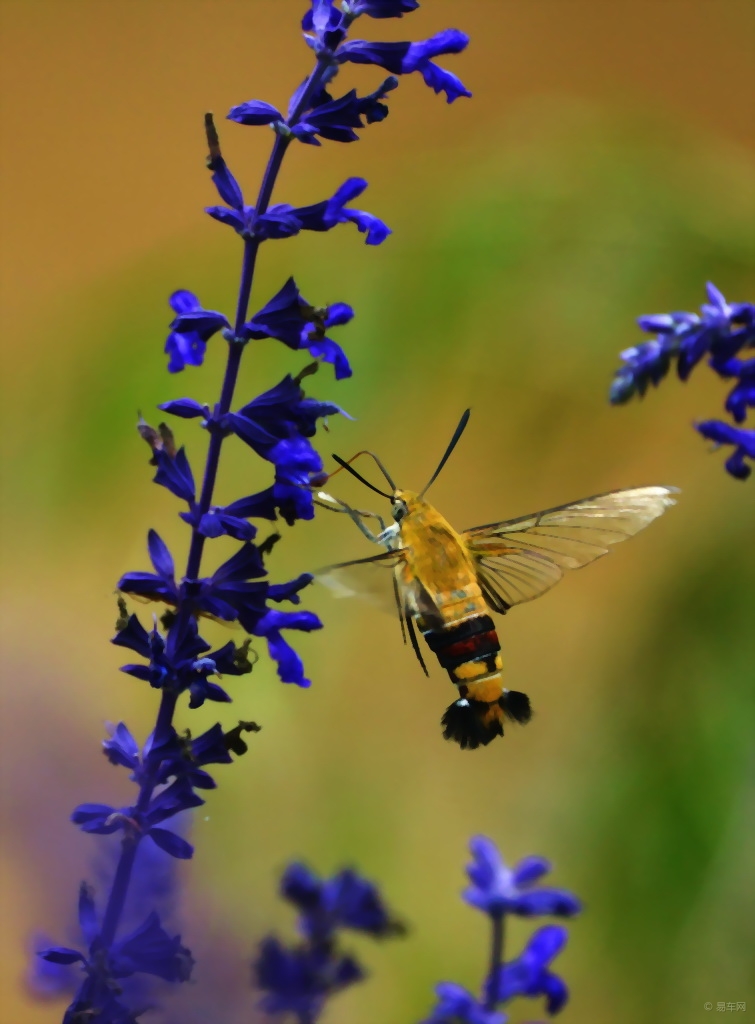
499	891
148	949
115	985
298	979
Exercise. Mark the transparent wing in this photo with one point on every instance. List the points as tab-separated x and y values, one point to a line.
373	579
520	559
385	582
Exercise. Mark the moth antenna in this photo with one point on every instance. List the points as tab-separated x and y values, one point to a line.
350	469
374	457
454	441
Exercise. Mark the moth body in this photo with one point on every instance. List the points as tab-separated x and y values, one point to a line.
447	583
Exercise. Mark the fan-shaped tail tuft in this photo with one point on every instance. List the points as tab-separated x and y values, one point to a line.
472	723
516	706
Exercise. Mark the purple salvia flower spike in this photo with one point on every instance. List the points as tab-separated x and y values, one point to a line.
170	771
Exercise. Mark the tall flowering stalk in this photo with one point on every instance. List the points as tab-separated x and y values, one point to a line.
169	770
722	332
500	892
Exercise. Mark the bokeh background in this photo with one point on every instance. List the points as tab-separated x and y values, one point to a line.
603	169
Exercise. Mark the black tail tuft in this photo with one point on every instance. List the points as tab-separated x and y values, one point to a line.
472	723
516	706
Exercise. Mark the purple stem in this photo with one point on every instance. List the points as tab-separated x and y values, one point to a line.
235	349
496	959
130	844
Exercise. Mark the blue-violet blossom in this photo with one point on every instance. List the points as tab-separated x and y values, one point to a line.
721	331
498	891
298	979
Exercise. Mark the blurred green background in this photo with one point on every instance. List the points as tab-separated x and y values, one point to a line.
603	169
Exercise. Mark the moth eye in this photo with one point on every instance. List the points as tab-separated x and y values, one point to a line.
399	511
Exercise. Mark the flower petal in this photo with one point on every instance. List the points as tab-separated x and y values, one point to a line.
171	843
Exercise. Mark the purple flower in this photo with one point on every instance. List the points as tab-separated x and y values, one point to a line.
721	331
298	469
528	974
276	425
497	889
289	318
227	187
254	112
329	18
219	522
186	408
279	414
344	901
337	120
97	1000
282	220
371	106
121	748
174	758
190	330
290	667
329	26
277	222
403	58
325	215
644	364
184	759
298	980
148	949
48	980
174	472
156	586
380	8
153	888
457	1006
228	594
742	394
743	441
180	661
102	819
500	890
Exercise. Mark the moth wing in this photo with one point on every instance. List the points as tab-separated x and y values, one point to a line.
385	581
373	579
520	559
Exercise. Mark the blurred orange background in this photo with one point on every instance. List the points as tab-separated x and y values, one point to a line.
603	169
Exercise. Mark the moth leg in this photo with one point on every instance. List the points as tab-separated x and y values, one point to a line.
356	516
415	643
399	607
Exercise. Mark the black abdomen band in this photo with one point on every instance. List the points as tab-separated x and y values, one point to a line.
439	639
